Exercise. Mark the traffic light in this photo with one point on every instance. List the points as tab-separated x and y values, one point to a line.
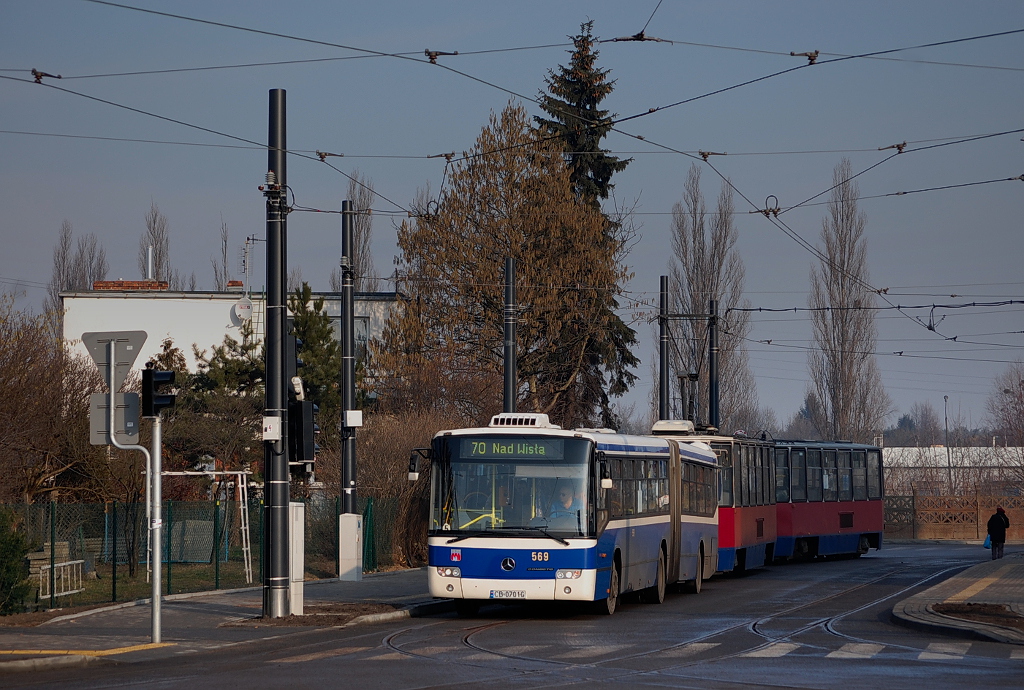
153	401
302	432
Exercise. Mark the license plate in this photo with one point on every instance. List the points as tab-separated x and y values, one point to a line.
508	594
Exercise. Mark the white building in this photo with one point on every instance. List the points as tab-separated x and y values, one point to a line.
195	318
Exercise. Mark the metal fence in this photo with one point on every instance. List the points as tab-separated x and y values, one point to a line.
91	553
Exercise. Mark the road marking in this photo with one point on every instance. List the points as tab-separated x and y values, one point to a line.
315	656
968	592
387	656
432	651
775	649
690	649
86	652
938	651
856	650
522	649
597	650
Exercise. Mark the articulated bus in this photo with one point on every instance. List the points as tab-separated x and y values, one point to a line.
524	510
746	495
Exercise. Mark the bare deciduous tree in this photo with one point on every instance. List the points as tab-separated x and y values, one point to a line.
221	272
367	279
157	237
843	369
76	270
707	266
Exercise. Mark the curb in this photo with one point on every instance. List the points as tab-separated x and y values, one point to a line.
930	621
207	593
415	611
50	662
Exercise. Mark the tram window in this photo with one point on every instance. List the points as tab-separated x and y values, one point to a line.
798	474
751	465
845	485
744	471
781	475
814	475
829	476
758	497
725	460
860	488
874	474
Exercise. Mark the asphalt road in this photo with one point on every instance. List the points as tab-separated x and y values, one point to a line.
808	625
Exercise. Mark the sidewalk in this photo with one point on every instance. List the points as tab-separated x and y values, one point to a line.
197	622
998	583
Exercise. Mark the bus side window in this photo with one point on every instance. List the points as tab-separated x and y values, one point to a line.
814	475
874	474
687	488
781	475
798	475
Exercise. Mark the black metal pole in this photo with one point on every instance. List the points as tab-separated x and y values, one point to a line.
348	361
275	458
511	318
713	418
663	385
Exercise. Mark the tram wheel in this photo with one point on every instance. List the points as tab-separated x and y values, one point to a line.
656	594
607	606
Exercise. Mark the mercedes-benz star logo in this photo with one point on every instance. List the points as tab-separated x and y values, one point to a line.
508	564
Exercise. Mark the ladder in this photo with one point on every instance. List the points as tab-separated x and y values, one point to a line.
243	515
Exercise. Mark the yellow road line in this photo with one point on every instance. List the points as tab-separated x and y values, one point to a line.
968	592
86	652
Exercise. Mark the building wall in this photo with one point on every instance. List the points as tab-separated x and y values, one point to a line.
192	318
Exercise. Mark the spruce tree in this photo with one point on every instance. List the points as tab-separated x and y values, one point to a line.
573	101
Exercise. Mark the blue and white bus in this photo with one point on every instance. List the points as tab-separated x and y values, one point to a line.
524	510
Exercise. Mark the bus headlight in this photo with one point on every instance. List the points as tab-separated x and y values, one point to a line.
565	574
448	571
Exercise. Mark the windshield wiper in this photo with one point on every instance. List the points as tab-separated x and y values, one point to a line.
481	533
549	535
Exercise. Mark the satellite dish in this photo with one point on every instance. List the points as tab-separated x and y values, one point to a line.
243	309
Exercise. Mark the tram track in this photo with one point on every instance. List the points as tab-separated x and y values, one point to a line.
471	642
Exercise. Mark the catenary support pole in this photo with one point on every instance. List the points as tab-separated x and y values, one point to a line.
275	458
713	417
663	385
348	359
511	318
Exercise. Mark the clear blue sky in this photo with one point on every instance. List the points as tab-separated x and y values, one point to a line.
387	114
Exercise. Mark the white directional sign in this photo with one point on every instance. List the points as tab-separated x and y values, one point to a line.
127	345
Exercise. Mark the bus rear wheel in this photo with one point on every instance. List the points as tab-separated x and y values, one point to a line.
656	594
698	577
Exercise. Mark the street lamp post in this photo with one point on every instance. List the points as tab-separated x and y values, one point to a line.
949	459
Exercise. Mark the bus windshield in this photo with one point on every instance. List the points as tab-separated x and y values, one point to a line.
512	484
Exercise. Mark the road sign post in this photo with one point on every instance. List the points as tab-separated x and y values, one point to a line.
114	353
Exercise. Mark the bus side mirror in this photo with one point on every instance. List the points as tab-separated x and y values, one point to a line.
606	479
414	466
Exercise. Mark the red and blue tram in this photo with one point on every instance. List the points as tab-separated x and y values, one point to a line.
828	498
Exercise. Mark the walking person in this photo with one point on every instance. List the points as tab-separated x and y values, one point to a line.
997	526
